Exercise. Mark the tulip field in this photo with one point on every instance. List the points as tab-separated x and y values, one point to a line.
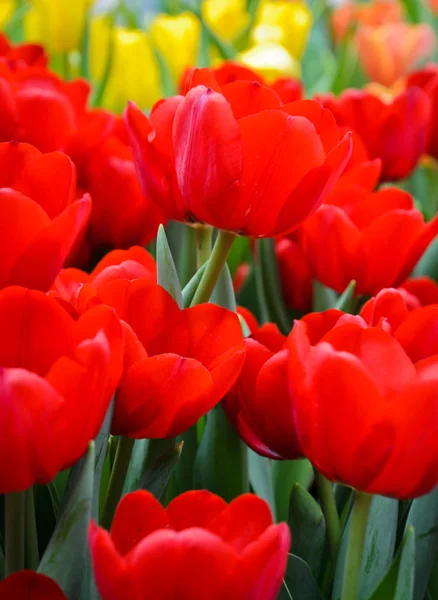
218	300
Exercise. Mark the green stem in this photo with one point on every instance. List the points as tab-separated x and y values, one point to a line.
328	505
117	479
31	549
204	236
14	532
356	542
215	265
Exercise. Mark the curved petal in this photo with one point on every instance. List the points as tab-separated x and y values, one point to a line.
249	98
197	508
13	159
418	334
28	585
136	254
322	119
389	304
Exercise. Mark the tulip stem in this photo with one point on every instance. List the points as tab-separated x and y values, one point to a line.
204	235
328	506
216	262
31	549
117	479
14	532
356	542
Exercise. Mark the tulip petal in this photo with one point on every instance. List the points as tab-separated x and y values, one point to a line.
28	585
197	508
418	334
249	98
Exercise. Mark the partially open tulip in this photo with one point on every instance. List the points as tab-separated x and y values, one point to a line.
177	38
56	384
45	22
41	216
427	80
40	108
263	171
154	552
396	131
258	404
227	18
364	405
283	22
28	585
128	55
390	51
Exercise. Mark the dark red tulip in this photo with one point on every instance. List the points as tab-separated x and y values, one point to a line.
28	585
199	547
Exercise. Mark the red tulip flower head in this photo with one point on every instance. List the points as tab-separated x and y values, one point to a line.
42	219
365	402
56	383
199	547
21	56
236	158
427	80
28	585
397	131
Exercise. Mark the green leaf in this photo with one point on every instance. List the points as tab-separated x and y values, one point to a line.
423	517
271	285
160	468
260	478
346	299
428	263
286	473
413	9
433	582
223	294
324	298
379	543
307	525
398	583
137	466
221	464
65	557
299	583
101	447
190	289
182	242
182	478
166	271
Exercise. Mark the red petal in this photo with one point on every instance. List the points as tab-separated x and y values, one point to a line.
13	159
117	257
248	98
28	585
138	514
195	509
378	204
322	119
418	334
389	304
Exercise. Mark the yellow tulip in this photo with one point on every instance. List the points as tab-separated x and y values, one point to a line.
7	8
134	71
177	39
271	61
227	18
58	24
283	22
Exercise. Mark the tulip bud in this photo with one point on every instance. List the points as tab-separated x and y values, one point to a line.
227	18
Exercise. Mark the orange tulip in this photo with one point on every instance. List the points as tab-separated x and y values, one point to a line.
373	14
390	51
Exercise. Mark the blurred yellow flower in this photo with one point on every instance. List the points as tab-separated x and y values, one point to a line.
134	71
7	8
284	22
177	39
227	18
58	24
270	60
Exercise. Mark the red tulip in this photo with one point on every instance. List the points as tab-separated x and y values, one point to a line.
228	156
199	547
42	220
427	80
22	55
40	108
424	289
121	215
258	405
295	272
56	383
364	409
359	231
287	88
396	132
28	585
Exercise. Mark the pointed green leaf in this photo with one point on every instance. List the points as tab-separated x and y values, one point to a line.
398	583
182	477
323	297
423	517
270	281
137	466
346	299
299	582
190	289
160	468
101	447
221	464
286	473
260	478
65	557
166	270
223	294
307	524
428	263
